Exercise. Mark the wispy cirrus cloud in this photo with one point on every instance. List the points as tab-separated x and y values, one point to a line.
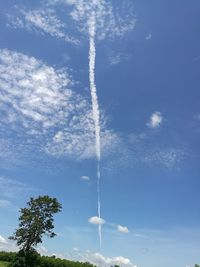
42	21
144	149
111	21
40	109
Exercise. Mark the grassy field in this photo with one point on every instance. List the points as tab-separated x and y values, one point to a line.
3	264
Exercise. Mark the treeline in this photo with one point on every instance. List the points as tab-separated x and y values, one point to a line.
7	256
36	260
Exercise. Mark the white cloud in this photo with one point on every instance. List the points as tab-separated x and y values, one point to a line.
6	245
3	240
101	260
111	21
39	107
85	178
98	259
122	229
42	250
42	21
96	220
155	120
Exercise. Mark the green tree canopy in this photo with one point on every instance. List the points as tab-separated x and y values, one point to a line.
35	221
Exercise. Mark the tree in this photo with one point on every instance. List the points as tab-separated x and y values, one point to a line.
35	221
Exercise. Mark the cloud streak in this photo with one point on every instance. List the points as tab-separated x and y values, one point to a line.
95	109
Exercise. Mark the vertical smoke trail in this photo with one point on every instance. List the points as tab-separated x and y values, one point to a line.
99	200
95	108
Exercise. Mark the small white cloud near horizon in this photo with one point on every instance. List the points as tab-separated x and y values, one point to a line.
96	220
42	250
3	240
99	259
85	178
123	229
156	120
6	245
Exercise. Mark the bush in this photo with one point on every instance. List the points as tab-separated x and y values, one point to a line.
23	259
7	256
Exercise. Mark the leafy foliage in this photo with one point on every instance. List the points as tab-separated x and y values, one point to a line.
35	221
7	256
26	259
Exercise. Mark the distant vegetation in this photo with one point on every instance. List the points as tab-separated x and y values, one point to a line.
8	258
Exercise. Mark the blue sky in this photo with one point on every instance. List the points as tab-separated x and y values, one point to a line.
147	78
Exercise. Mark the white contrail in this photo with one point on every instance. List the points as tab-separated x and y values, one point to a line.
99	201
95	109
95	105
